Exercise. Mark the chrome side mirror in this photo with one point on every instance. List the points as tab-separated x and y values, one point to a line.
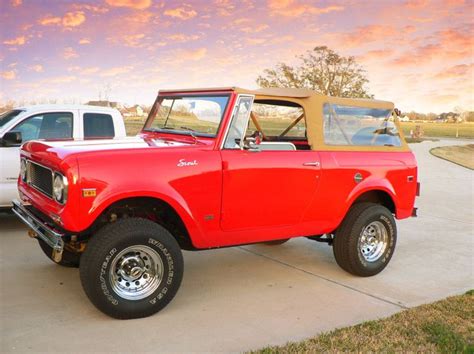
251	143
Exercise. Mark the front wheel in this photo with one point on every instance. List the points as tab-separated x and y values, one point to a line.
131	268
365	241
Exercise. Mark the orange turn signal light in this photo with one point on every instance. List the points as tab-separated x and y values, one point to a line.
89	192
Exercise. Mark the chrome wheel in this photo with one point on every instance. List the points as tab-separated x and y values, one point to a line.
373	241
136	272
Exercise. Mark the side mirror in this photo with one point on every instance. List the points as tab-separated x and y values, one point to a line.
11	139
251	143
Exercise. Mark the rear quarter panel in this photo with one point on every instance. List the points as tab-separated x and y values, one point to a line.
385	171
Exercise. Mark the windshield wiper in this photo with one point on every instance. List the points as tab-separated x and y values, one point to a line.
186	128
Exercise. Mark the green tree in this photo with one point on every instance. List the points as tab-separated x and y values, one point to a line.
322	70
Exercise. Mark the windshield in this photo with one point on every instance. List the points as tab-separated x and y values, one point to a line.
8	116
194	115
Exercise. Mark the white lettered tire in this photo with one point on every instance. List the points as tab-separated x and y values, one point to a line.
131	268
365	241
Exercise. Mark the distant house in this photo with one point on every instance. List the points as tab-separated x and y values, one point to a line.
103	104
134	111
404	119
450	117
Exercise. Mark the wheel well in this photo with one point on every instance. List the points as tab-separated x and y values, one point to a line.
379	197
152	209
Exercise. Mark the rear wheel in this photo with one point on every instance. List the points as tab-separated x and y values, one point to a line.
131	268
69	259
365	241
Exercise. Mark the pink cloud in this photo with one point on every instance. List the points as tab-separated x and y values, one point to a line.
36	68
182	38
416	4
70	19
84	41
294	8
456	71
8	75
70	53
451	44
91	8
16	3
367	34
182	13
73	19
134	4
16	41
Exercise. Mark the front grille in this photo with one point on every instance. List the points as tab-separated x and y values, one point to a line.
40	178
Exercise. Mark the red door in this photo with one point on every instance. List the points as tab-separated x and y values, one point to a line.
267	188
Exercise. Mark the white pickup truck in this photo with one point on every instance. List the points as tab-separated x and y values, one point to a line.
49	122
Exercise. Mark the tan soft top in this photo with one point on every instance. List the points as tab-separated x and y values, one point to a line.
312	103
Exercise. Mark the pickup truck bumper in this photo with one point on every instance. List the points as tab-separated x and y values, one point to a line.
41	230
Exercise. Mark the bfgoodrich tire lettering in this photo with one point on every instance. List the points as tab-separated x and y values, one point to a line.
116	268
365	241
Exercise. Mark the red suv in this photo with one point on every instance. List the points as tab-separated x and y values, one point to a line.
214	168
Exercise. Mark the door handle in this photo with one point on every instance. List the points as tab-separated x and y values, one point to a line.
315	163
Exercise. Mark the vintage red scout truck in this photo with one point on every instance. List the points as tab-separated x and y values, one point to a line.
215	168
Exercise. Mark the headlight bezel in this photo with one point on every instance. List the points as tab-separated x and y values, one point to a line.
63	183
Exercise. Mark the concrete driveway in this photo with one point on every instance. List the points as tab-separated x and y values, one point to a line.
244	298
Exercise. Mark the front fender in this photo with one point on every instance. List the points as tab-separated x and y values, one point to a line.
167	195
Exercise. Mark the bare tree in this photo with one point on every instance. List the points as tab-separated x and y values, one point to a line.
322	70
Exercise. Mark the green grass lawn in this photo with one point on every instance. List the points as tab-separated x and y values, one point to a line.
445	326
462	155
133	127
465	130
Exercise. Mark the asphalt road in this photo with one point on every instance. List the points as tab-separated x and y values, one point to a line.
244	298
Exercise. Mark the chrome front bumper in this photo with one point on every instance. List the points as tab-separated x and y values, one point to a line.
51	237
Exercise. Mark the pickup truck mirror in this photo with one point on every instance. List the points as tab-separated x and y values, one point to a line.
11	139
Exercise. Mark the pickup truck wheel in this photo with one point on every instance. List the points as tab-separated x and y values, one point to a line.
276	242
365	241
131	268
69	259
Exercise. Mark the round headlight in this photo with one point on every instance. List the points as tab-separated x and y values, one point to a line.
60	188
23	169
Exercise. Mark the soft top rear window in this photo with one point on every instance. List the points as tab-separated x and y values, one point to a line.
359	126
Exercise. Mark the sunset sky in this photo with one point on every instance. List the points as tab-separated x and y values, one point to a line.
418	53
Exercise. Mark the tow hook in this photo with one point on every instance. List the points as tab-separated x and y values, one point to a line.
57	254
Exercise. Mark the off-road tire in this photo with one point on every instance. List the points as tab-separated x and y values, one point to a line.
69	259
98	258
346	241
276	242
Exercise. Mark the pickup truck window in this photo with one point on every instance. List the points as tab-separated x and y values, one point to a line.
199	115
8	116
360	126
57	125
97	125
